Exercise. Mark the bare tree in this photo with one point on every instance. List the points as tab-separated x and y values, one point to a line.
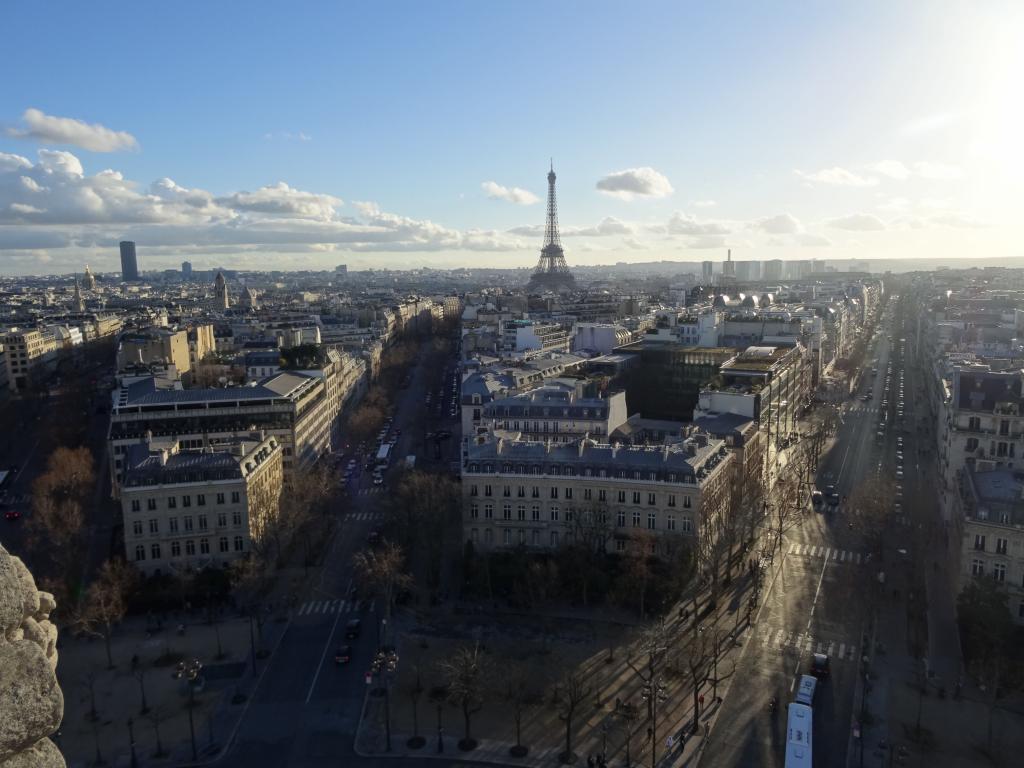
698	655
422	510
520	692
647	662
466	677
383	572
637	571
105	602
568	695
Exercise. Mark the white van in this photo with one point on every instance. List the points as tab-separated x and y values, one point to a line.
805	690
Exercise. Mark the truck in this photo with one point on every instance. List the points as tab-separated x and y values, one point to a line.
410	461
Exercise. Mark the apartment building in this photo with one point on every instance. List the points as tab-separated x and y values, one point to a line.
185	510
295	408
24	351
991	525
154	345
543	495
531	336
556	412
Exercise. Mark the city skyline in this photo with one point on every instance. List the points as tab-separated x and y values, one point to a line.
396	137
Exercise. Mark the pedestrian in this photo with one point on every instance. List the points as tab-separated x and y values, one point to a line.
700	703
590	761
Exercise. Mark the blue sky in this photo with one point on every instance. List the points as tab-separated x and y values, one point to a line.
815	129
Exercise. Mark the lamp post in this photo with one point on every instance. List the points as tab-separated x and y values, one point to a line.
440	730
654	693
252	643
131	743
191	673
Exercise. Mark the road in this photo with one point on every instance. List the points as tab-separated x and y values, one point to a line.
306	708
816	601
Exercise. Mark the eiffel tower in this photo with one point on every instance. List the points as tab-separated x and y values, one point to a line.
552	273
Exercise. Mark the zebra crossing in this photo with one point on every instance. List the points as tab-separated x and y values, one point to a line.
802	641
311	607
827	553
864	409
370	491
365	516
17	499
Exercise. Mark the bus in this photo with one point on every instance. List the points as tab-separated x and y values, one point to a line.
798	736
384	455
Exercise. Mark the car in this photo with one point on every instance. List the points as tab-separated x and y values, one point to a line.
866	397
343	655
820	665
373	537
817	499
899	473
353	628
378	480
12	514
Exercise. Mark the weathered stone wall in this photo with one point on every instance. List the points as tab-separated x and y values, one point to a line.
31	703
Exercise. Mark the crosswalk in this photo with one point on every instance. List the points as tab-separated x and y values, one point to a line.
311	607
804	641
17	499
370	491
864	409
365	516
826	553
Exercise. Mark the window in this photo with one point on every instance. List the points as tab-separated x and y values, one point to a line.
650	499
201	499
535	537
137	527
670	522
186	501
202	523
974	424
474	535
535	512
154	526
488	511
175	549
239	544
488	536
140	552
136	506
521	491
172	502
1001	546
474	511
506	511
236	497
620	545
587	494
621	497
522	537
671	499
520	512
506	491
188	523
554	513
602	495
652	521
172	524
220	498
222	520
554	538
473	491
979	542
636	518
204	546
535	492
506	535
977	567
236	517
554	492
223	544
687	502
487	490
151	504
620	519
687	525
568	493
154	551
636	497
999	572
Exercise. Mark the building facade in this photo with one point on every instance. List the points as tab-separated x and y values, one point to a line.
129	262
25	351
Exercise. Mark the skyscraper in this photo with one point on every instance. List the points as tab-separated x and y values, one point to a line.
129	264
186	270
552	273
707	271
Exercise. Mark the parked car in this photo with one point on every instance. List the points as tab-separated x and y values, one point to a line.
817	499
343	655
353	628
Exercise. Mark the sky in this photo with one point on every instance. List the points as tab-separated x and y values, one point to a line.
407	134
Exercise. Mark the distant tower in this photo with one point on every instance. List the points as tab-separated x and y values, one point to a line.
729	267
707	272
129	264
552	273
90	279
79	301
186	270
221	300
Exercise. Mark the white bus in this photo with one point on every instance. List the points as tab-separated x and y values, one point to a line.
384	455
798	736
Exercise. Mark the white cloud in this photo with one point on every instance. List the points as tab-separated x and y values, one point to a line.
807	240
707	241
280	199
685	224
937	171
516	195
836	176
927	123
858	222
704	203
892	169
609	225
635	182
782	224
25	208
49	129
957	220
